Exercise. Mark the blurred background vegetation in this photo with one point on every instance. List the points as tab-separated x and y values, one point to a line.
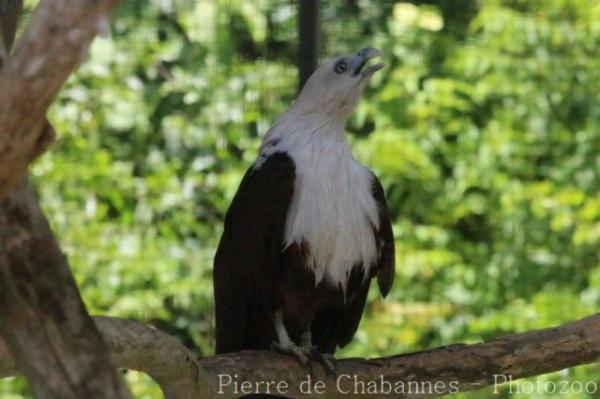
484	129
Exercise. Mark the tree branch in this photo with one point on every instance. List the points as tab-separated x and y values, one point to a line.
437	371
54	43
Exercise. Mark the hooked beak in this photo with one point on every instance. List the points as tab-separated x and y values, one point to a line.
366	54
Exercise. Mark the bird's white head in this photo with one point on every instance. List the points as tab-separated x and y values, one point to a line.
335	87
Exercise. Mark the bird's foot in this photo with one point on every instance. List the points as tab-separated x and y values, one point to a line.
325	359
307	354
299	352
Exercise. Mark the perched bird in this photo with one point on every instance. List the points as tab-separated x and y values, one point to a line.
308	228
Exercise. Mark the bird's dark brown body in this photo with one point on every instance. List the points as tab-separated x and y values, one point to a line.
254	276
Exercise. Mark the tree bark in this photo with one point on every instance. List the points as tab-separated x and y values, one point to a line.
42	317
54	43
451	369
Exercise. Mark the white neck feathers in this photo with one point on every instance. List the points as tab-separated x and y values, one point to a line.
333	209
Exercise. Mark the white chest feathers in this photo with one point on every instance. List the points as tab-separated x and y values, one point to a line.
332	209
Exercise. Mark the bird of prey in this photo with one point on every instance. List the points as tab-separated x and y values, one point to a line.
307	229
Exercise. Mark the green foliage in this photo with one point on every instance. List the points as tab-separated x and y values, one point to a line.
484	129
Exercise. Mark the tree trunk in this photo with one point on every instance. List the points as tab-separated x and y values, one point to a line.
42	317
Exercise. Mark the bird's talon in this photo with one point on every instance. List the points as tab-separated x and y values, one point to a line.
327	360
300	353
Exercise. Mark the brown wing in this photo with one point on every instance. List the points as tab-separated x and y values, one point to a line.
248	252
386	264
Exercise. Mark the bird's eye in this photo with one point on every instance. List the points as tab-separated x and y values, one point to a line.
340	67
